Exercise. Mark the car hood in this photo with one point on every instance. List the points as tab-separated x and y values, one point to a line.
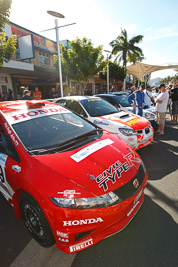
127	119
92	170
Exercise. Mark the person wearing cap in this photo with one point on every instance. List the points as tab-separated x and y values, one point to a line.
161	107
136	100
27	95
148	99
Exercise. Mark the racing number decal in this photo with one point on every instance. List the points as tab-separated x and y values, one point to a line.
1	175
5	188
3	159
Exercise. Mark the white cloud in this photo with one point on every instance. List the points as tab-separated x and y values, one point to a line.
166	32
148	29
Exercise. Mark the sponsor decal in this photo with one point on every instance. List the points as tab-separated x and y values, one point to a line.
16	168
81	245
113	172
19	116
85	152
136	183
63	237
130	139
63	240
11	134
136	204
82	222
134	121
139	195
70	193
100	122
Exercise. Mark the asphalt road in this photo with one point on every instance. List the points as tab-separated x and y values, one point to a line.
151	239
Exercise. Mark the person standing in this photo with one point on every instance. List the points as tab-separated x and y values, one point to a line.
174	98
161	107
3	97
36	94
9	95
148	99
27	95
136	100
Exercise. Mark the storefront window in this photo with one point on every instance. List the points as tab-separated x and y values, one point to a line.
44	59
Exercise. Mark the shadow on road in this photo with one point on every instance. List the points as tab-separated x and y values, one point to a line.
13	234
164	156
151	239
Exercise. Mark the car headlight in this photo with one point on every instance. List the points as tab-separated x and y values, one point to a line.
87	203
149	116
127	132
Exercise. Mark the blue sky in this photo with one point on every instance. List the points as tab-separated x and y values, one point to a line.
101	21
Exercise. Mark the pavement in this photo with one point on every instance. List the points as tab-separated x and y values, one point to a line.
151	239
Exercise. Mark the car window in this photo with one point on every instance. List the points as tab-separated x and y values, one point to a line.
62	102
122	100
73	105
98	107
6	145
111	101
52	130
76	107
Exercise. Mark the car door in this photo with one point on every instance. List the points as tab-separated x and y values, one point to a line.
9	165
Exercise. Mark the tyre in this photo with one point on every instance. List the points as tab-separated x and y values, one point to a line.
36	221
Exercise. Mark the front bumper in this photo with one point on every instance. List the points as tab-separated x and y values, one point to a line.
78	229
143	138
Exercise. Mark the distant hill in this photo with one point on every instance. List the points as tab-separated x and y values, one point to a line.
155	81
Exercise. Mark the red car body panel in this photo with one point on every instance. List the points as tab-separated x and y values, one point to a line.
74	174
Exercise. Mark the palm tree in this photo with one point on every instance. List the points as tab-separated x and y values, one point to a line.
125	49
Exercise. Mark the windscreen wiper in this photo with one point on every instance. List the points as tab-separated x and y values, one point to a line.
70	142
66	144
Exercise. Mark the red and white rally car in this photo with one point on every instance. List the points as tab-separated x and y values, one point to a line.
72	182
133	129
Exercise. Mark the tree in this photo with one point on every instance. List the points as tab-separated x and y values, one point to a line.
7	45
116	72
125	49
81	61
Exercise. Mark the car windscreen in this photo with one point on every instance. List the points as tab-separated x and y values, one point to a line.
52	131
122	100
98	107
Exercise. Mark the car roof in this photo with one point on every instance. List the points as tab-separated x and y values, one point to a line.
110	95
10	106
75	97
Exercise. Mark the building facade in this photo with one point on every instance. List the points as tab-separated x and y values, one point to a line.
38	69
33	65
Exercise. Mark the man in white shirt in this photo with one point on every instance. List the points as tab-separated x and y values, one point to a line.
148	97
161	107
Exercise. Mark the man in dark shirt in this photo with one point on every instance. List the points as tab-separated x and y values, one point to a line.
174	97
27	95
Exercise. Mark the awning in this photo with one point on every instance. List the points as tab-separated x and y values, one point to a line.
140	70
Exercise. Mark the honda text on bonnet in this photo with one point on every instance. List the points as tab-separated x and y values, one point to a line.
72	182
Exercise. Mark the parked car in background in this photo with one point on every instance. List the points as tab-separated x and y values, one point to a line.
73	183
134	130
120	101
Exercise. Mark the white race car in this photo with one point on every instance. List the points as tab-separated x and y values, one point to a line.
133	129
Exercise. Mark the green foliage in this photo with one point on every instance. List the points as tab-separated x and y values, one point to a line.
82	60
169	78
4	12
125	49
7	48
7	45
116	73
